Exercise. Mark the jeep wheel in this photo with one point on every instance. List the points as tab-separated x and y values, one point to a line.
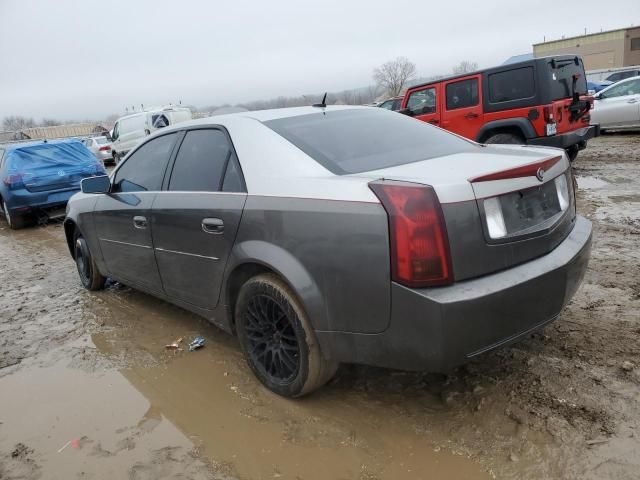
507	138
14	221
87	269
277	338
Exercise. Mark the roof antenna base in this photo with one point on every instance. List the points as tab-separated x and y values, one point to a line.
322	104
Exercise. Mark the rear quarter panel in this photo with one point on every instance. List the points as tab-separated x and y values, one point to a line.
334	254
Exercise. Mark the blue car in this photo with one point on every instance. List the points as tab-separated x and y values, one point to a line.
595	87
38	178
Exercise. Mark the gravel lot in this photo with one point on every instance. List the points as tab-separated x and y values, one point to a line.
88	391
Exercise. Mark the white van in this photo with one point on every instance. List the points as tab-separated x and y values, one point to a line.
130	129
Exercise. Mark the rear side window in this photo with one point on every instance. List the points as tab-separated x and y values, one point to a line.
201	162
462	94
631	87
159	121
361	140
144	169
516	84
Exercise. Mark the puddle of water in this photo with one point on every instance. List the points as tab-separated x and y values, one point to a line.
591	183
116	431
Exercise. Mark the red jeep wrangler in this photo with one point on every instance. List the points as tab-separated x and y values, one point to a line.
542	101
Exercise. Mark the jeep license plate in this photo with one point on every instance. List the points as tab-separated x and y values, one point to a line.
551	129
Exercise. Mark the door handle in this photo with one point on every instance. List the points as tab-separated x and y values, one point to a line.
471	115
633	100
140	222
213	225
434	121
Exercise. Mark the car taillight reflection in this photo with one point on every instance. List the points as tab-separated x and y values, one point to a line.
420	254
14	180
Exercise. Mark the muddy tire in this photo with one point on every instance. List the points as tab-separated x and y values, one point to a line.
277	338
87	269
572	153
15	222
505	138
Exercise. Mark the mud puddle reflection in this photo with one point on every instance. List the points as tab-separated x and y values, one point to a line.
212	397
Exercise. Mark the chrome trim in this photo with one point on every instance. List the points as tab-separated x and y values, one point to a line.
124	243
185	253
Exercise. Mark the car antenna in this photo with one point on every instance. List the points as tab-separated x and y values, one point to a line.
322	104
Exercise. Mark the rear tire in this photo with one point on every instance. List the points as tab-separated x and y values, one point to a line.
15	222
278	340
87	269
572	153
505	138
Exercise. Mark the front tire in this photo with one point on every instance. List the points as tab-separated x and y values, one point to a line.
87	269
277	338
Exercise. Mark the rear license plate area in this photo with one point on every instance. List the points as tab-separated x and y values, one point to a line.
526	209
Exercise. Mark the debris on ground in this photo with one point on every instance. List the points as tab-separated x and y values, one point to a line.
196	343
627	366
174	346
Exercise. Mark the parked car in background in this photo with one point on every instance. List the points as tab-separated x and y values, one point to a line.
37	178
621	75
322	235
392	104
100	147
595	87
542	101
618	106
129	130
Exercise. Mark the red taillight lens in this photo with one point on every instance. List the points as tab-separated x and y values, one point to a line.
106	148
548	113
419	244
14	180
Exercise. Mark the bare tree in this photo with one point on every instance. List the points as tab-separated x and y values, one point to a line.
394	74
16	122
49	122
465	66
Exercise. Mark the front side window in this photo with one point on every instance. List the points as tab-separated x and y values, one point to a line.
516	84
462	94
144	169
387	104
632	87
635	43
422	102
201	162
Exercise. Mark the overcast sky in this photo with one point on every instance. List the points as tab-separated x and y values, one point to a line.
87	59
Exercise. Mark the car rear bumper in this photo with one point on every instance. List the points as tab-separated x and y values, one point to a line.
23	202
436	329
569	139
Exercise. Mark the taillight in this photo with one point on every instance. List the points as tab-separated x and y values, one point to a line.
418	235
548	113
13	180
106	148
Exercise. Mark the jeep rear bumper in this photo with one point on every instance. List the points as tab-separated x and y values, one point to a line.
567	140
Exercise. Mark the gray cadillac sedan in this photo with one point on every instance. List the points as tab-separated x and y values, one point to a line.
322	235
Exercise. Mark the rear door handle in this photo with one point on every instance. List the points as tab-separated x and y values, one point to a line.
434	121
633	100
213	225
471	115
140	222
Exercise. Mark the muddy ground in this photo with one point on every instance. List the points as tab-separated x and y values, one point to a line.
88	391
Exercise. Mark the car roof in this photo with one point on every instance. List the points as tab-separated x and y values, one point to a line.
259	115
15	146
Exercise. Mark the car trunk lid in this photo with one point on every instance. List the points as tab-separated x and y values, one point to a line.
501	205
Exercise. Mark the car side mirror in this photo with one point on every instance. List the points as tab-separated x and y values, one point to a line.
406	111
99	184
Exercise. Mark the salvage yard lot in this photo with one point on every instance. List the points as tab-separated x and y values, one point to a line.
90	369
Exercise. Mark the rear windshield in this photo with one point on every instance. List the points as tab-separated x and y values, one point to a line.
360	140
50	155
561	72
